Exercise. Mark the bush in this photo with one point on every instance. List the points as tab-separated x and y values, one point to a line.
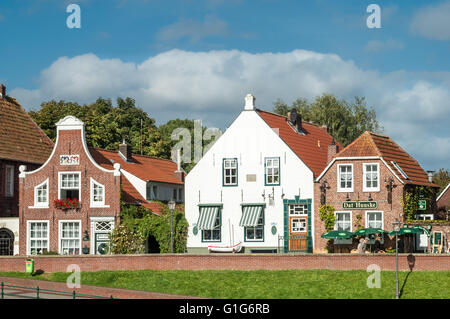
125	240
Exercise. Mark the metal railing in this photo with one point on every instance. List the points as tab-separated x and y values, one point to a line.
38	291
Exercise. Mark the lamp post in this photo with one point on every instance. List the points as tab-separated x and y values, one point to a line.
171	205
396	225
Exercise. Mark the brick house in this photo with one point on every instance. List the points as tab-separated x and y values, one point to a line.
22	142
96	179
365	183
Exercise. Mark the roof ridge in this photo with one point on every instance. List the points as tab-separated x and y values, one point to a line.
284	116
133	154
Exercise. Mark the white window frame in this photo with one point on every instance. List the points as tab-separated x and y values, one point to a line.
29	222
231	175
374	211
344	189
424	216
371	189
94	231
60	235
344	212
292	212
37	204
273	167
299	218
60	182
94	203
9	174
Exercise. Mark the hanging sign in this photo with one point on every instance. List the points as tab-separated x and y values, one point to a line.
422	204
359	205
69	160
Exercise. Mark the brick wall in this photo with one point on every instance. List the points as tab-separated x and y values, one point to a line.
68	142
227	261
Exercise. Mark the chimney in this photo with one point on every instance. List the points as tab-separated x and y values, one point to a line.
249	102
332	150
295	119
179	173
125	151
325	128
2	92
430	176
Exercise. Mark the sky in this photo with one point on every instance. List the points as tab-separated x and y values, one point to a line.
198	59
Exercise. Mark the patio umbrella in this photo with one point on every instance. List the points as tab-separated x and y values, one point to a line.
337	234
405	231
368	231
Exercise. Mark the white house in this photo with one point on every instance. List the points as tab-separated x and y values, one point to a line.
255	184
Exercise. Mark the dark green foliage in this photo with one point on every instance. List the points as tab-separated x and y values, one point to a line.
345	121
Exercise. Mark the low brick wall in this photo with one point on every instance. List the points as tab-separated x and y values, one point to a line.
226	261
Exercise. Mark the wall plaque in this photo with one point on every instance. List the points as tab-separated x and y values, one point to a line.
359	205
69	159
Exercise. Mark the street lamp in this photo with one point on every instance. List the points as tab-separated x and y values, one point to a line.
396	225
171	205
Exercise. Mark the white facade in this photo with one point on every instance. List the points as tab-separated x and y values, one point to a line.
250	140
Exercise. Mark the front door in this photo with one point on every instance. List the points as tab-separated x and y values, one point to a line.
298	227
6	242
101	244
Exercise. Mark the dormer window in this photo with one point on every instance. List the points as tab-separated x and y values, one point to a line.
41	194
97	194
69	185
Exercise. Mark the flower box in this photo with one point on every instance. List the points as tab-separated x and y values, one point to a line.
66	203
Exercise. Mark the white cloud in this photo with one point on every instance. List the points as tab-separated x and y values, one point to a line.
193	30
381	46
414	108
433	21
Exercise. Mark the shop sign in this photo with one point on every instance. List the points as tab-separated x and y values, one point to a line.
359	205
422	204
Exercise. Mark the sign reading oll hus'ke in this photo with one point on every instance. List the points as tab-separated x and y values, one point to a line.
359	205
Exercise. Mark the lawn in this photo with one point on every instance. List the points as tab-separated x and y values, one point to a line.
279	284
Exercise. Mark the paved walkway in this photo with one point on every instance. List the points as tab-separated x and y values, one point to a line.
19	293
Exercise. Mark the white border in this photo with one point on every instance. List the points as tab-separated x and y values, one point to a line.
351	218
371	189
36	204
91	191
374	211
93	232
445	189
344	190
59	183
28	252
60	234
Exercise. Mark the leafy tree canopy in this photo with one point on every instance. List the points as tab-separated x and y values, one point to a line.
441	178
345	121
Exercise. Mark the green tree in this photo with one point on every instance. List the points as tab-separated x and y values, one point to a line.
125	240
345	121
441	178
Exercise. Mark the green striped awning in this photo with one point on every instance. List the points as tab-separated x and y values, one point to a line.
207	217
250	215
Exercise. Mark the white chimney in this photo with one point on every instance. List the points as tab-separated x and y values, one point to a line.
2	92
249	102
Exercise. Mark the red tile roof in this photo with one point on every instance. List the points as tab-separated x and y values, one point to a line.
146	168
372	144
311	147
131	196
21	138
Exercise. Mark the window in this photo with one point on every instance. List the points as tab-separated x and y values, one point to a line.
345	178
374	220
180	194
38	237
298	225
9	182
298	209
154	192
41	195
230	172
424	216
343	221
70	238
69	185
175	194
272	174
256	233
213	234
97	194
371	178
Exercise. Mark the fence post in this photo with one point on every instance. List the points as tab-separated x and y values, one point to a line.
74	294
3	285
111	297
37	292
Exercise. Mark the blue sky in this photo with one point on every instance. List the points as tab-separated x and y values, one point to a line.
198	59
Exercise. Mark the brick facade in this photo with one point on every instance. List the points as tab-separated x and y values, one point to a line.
336	199
70	141
228	261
